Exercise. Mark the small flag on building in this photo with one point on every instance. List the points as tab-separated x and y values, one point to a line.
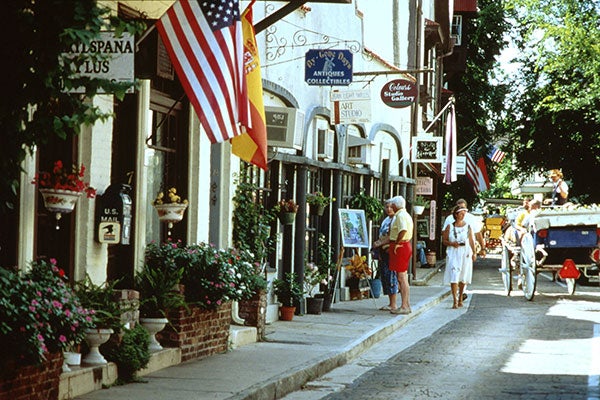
496	155
477	173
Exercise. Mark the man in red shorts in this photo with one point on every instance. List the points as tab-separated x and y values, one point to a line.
400	250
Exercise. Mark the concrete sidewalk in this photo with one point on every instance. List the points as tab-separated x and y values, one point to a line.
294	352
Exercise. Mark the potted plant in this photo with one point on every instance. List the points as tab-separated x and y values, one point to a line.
359	270
40	319
158	285
170	207
286	211
328	267
313	277
372	206
420	204
288	292
317	202
61	188
40	313
106	317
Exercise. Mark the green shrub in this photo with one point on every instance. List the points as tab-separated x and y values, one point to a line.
131	354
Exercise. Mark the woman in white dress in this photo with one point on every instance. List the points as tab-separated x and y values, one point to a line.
460	254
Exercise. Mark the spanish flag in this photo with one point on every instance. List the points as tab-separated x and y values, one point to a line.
252	145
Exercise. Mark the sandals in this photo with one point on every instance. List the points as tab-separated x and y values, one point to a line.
401	311
385	308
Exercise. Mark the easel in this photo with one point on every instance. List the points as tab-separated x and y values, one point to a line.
338	275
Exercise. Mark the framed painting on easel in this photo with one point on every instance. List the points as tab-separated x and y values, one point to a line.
354	228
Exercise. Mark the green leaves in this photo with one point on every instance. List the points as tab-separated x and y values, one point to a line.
39	33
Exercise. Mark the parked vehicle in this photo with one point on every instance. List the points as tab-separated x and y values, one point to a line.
561	239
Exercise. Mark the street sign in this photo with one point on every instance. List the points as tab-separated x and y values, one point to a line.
328	67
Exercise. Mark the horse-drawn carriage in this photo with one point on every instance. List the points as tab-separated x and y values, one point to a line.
564	241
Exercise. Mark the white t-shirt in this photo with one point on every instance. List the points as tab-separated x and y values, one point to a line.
471	220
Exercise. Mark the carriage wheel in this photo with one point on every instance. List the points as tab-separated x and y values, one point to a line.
506	270
528	269
571	285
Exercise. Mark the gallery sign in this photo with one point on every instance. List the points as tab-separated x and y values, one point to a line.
328	67
399	93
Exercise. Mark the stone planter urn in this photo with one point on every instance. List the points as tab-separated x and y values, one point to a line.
95	338
153	326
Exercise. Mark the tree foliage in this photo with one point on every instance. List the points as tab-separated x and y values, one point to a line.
34	35
478	100
553	121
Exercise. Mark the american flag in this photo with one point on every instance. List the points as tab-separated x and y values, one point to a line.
496	155
205	44
477	173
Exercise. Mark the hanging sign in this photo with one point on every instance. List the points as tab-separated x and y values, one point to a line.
461	165
432	219
328	67
351	106
426	149
399	93
424	185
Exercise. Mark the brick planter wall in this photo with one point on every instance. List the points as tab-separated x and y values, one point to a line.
31	382
198	332
253	311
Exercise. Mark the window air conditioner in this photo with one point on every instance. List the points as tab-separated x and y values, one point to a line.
285	127
325	143
359	150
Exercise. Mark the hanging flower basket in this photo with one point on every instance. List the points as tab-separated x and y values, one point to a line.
317	209
60	201
419	209
287	218
170	212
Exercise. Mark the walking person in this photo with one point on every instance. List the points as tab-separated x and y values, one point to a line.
400	251
389	281
473	221
460	254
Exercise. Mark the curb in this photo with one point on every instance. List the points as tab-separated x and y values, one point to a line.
296	378
428	274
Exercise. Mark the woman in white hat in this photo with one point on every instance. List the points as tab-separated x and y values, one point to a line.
460	254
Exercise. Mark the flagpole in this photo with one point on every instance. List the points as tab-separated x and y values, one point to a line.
467	146
450	102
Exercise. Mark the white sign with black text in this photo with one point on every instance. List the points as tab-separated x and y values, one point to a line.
106	57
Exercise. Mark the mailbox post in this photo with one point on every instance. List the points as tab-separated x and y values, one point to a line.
114	211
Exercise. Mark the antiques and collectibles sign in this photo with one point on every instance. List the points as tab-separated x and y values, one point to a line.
328	67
